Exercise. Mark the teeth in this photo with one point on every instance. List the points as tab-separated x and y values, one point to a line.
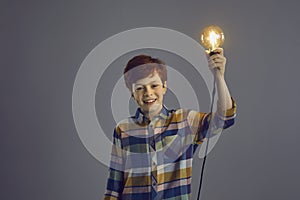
150	101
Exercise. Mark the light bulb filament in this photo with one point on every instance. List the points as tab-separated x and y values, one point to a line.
213	38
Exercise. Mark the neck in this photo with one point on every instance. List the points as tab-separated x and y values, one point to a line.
150	114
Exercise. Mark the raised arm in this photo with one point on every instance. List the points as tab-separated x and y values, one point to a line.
217	64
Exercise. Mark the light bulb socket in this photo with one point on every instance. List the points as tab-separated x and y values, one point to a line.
212	53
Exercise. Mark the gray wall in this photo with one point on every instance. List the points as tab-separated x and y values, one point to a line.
43	44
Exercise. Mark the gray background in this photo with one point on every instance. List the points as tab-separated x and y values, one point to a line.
43	44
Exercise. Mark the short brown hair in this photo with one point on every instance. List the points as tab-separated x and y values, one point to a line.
142	66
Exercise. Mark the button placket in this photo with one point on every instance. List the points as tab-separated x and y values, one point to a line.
151	135
154	183
153	155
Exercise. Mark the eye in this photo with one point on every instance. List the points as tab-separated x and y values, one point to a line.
154	85
139	88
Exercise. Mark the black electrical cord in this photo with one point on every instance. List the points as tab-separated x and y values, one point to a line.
208	135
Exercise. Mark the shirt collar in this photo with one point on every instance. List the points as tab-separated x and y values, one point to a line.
140	117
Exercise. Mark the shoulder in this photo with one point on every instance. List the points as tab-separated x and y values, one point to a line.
187	114
179	114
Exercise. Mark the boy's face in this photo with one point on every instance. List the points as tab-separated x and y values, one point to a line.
149	93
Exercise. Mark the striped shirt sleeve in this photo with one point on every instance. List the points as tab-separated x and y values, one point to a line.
115	182
200	123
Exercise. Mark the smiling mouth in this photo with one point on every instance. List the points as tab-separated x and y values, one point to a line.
150	101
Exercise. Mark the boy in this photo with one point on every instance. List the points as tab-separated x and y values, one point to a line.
152	151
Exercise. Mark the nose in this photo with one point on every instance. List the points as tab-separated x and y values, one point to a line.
148	91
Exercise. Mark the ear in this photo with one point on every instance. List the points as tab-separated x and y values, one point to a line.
165	87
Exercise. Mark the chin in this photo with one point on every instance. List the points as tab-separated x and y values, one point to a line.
152	108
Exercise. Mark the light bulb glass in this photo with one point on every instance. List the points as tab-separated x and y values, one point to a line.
212	37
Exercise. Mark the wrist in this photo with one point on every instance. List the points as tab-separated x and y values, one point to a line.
218	75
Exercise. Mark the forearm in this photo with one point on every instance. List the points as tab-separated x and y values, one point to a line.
224	97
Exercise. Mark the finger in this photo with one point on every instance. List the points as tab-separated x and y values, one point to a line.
212	64
216	56
219	60
214	67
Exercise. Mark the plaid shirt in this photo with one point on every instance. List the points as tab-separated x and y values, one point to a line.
153	159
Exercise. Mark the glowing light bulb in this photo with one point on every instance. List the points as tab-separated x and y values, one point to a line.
212	37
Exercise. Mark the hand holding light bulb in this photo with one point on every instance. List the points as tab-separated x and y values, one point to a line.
212	37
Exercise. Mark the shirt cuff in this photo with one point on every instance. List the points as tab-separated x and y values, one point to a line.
229	112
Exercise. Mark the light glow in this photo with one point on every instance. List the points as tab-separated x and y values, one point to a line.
212	37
